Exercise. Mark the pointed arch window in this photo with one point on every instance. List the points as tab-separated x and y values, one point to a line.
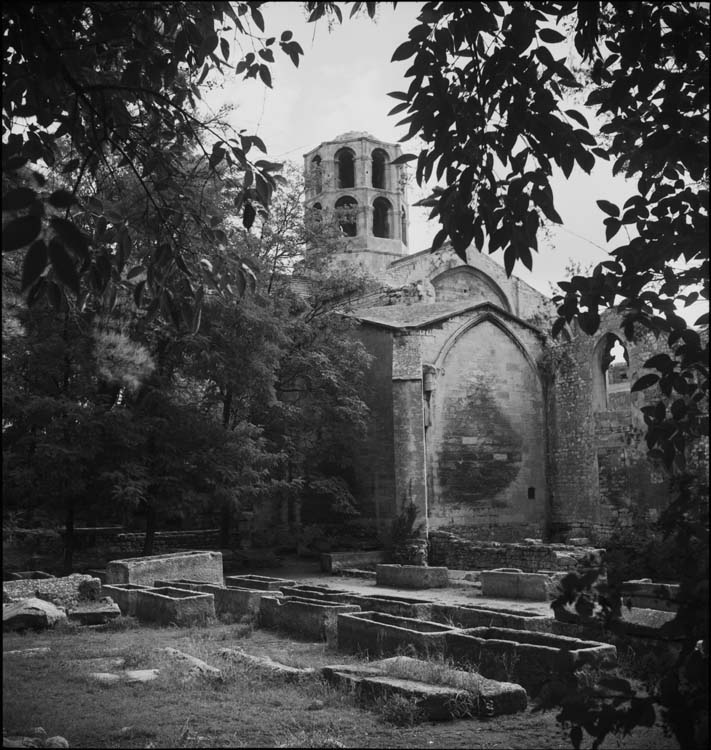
345	168
611	383
382	218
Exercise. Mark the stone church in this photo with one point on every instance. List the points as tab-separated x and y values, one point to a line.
492	429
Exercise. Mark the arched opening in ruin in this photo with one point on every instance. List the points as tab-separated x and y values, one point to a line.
346	215
610	374
345	168
403	226
382	224
378	173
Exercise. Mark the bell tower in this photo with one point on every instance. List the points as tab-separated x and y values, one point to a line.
353	182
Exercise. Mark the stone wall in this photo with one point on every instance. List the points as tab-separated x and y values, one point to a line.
131	543
374	457
487	455
65	591
457	553
599	476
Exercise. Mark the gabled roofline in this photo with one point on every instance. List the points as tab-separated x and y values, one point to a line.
481	306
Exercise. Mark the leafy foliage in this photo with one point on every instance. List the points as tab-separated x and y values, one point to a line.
607	704
98	91
488	97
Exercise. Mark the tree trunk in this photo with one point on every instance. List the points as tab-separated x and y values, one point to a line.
227	408
69	539
150	530
225	523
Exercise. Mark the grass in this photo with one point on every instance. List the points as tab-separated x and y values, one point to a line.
246	708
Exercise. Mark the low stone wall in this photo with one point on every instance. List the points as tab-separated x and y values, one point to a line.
192	565
333	562
379	634
65	591
458	553
411	576
114	541
527	658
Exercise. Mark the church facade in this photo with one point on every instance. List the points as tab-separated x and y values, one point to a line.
492	429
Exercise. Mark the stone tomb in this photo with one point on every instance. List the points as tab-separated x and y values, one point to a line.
194	565
124	594
440	693
258	583
400	606
511	583
379	634
309	618
468	616
646	594
230	600
527	658
334	562
392	605
169	605
315	592
411	576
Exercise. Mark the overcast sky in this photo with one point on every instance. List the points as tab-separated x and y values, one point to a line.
342	83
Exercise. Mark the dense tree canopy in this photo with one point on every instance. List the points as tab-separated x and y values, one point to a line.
111	87
488	97
119	228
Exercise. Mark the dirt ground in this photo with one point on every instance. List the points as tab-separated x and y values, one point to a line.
308	572
246	709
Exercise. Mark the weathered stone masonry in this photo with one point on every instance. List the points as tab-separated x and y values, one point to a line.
492	430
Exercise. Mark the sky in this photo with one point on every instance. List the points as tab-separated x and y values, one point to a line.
341	84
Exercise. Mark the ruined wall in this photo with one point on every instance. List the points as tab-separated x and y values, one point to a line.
600	477
374	457
486	442
523	300
457	553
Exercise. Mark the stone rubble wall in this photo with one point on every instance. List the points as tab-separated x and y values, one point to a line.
120	543
456	553
65	591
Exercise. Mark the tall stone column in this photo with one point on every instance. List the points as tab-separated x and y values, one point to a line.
409	426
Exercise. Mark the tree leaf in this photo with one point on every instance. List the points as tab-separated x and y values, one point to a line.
34	263
577	117
403	159
405	50
71	235
18	199
248	215
644	382
62	199
609	208
551	36
20	232
265	75
63	265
